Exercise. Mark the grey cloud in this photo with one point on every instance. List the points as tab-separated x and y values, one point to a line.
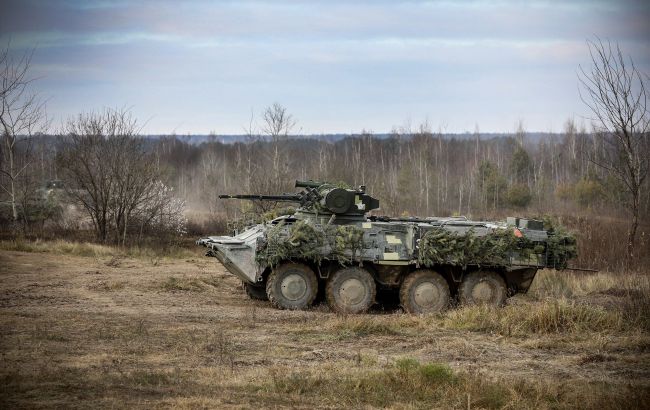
255	21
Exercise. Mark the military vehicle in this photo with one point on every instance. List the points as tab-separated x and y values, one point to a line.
331	244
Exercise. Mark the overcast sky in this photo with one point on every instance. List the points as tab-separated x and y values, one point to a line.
338	66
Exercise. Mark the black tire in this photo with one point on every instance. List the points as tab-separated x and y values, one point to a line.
483	288
255	292
424	291
292	286
351	290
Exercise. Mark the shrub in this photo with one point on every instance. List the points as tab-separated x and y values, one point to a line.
588	192
519	196
436	373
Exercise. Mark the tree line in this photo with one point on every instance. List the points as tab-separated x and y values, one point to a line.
127	186
412	172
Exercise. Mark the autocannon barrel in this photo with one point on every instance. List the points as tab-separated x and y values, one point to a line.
286	198
307	184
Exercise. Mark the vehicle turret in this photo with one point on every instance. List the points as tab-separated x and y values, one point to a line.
321	198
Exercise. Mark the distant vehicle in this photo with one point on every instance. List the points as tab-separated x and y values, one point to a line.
54	184
330	243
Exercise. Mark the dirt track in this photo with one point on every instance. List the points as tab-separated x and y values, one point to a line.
88	332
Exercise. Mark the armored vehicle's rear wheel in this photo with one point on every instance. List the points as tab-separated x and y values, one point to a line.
351	290
292	286
424	291
483	287
257	292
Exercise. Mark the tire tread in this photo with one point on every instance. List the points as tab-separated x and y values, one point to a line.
465	288
276	273
412	278
331	298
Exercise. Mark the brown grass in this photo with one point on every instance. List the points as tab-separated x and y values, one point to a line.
602	241
100	332
409	383
524	319
563	302
87	249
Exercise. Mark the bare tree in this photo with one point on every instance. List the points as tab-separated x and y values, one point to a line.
22	114
615	92
277	124
111	174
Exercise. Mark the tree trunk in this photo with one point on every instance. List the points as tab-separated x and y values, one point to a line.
126	216
14	210
631	237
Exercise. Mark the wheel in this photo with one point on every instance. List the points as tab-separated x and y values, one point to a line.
256	292
424	291
292	286
351	290
483	287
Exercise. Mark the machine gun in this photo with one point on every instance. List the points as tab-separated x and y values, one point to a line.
321	197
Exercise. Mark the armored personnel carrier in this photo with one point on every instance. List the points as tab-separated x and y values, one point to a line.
332	244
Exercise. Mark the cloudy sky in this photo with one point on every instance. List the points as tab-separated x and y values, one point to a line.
338	66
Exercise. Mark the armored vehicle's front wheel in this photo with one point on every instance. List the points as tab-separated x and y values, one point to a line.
292	286
483	287
424	291
257	292
351	290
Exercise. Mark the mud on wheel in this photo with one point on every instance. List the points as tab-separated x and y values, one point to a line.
483	287
424	291
292	286
351	290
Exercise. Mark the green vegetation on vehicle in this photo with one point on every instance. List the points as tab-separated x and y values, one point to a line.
331	243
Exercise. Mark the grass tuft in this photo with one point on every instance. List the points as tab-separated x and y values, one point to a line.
356	326
625	294
351	328
554	316
437	373
173	284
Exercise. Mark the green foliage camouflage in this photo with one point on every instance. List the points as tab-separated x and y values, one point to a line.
302	241
343	184
347	237
561	245
308	242
253	218
440	246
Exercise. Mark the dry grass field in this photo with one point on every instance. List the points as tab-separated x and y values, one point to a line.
87	326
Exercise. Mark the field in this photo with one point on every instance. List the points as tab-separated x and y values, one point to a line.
87	326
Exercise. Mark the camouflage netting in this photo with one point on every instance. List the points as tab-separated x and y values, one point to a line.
251	218
347	238
440	246
560	247
308	242
301	241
